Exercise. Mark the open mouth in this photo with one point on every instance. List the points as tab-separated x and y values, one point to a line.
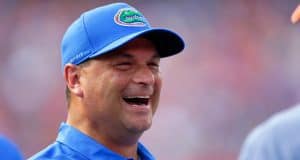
137	100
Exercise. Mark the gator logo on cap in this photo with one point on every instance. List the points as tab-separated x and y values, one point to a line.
130	17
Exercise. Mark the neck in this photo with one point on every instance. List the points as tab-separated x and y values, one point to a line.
124	143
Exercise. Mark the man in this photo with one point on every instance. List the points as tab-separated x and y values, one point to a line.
110	59
296	15
9	150
277	138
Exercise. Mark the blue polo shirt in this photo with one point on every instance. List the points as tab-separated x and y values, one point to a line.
9	150
72	144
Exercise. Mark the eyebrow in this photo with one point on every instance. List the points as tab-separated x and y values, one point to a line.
129	56
125	55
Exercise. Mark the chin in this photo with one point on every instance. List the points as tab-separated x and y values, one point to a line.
139	128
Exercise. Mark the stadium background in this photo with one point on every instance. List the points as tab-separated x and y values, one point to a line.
240	65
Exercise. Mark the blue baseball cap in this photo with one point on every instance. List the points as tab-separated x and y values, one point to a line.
103	29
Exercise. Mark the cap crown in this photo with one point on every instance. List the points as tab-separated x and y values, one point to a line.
97	28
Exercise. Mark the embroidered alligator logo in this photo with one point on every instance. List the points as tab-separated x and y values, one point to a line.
130	17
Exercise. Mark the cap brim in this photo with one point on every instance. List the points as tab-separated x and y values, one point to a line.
167	42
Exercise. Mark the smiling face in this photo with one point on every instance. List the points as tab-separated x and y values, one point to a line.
121	89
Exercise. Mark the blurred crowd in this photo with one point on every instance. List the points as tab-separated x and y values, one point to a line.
240	65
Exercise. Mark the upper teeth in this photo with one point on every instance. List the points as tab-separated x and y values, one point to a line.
137	97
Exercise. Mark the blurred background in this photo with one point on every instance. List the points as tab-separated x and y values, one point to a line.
240	65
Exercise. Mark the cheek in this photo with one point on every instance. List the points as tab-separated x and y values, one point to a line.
102	96
158	83
98	89
111	87
119	80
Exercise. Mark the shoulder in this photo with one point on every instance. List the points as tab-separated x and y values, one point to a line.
270	139
284	123
8	149
57	151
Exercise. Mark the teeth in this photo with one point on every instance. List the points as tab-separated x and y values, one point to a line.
137	100
137	97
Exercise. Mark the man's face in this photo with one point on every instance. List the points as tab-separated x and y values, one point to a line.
121	89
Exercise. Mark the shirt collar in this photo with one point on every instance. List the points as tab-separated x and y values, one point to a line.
90	148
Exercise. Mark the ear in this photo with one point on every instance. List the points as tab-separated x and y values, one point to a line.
72	78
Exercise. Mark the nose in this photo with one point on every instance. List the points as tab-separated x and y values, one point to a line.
144	76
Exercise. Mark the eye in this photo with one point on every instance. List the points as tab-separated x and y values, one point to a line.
123	65
154	66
